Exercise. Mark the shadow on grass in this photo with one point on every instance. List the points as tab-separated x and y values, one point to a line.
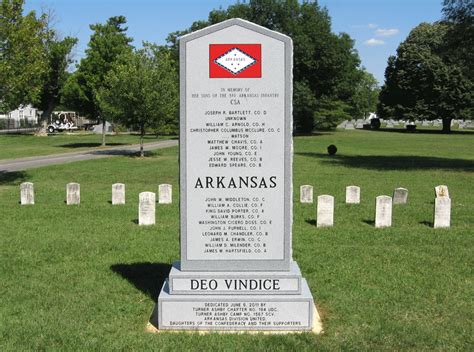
313	134
426	223
423	131
89	145
311	222
396	162
146	277
369	222
12	177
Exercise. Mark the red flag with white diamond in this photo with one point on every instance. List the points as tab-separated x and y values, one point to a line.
235	61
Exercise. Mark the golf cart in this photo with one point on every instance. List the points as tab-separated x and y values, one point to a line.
62	120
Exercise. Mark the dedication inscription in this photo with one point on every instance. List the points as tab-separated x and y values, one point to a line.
236	270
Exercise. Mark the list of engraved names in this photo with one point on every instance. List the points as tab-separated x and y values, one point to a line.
235	138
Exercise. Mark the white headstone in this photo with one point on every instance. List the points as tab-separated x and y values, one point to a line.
400	196
442	212
306	194
165	194
383	211
342	124
73	194
352	195
325	211
27	193
441	191
349	125
146	208
118	193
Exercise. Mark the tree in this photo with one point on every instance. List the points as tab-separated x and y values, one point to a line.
59	58
325	64
366	95
108	42
23	61
141	90
459	38
420	83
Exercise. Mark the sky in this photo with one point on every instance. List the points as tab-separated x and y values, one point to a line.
377	26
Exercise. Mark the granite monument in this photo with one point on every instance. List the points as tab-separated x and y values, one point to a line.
236	270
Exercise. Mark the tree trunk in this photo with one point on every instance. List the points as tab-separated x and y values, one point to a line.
447	125
142	133
103	132
43	123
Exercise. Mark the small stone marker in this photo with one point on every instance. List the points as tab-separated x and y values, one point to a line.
442	212
118	193
27	193
73	194
165	194
383	211
325	211
400	196
306	194
146	208
349	125
353	195
441	191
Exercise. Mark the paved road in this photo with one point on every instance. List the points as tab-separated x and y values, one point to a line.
39	161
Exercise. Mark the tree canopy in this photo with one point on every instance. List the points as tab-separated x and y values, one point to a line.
58	54
23	59
326	65
459	39
141	90
421	82
107	43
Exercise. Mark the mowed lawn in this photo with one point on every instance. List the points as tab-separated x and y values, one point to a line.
87	277
18	145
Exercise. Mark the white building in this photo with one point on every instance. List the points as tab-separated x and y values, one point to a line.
27	114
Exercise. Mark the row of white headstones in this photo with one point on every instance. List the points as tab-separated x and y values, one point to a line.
324	213
383	205
146	203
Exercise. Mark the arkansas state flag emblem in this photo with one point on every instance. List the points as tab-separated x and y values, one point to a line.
235	61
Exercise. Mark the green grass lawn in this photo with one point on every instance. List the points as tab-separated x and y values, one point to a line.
87	277
21	145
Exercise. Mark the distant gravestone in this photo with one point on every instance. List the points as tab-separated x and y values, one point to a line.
441	191
146	208
27	193
360	125
383	211
118	193
442	212
73	194
165	194
325	211
349	125
342	124
352	195
389	125
400	196
306	194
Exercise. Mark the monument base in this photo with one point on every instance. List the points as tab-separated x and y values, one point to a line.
152	327
236	312
234	282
